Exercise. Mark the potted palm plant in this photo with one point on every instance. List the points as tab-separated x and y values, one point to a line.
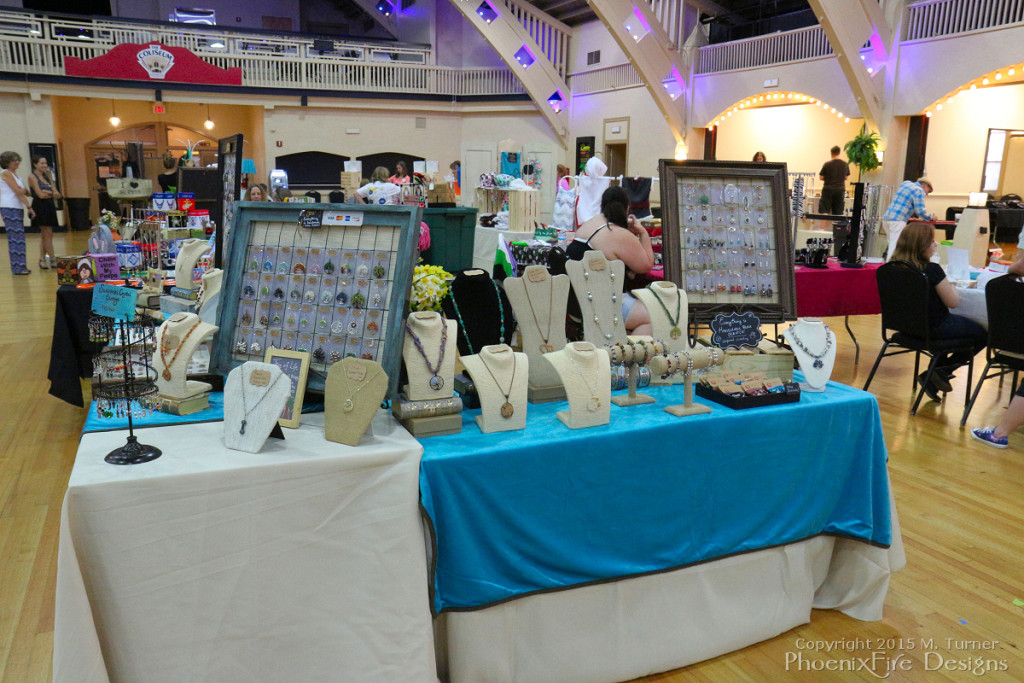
863	151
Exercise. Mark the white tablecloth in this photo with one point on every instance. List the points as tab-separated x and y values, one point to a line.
625	629
304	562
485	244
972	305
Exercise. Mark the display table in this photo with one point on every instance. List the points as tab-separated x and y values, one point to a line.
303	562
669	555
972	305
835	291
71	352
485	244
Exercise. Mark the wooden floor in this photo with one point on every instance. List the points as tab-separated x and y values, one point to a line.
961	505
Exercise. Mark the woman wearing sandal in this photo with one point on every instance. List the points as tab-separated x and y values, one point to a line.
13	201
44	196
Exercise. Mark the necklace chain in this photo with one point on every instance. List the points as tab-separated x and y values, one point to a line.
595	401
615	302
551	314
245	409
507	409
436	383
349	403
163	349
679	305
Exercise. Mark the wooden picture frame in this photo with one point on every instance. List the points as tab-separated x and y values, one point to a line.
727	237
294	364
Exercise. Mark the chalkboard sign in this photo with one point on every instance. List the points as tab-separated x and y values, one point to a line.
734	330
311	219
294	364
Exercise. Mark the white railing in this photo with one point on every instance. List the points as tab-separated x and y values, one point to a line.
948	17
35	44
777	48
603	80
551	35
670	15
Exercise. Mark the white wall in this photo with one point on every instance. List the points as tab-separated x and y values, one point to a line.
458	43
594	36
24	121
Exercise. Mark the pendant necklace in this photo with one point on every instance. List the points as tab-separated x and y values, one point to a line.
615	303
507	410
594	404
245	410
436	382
546	347
818	362
163	350
349	405
676	332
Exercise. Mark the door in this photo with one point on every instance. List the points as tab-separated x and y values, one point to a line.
477	158
615	157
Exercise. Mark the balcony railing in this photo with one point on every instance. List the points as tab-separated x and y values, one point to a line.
603	80
949	17
777	48
551	36
38	44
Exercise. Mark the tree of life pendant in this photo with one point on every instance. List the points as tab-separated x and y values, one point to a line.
676	333
436	383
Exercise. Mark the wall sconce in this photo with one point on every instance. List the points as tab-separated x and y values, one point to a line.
880	155
680	154
556	102
524	57
385	8
208	123
114	120
486	12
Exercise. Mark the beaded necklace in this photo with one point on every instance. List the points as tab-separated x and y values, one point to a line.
818	362
436	382
462	325
676	332
163	350
615	302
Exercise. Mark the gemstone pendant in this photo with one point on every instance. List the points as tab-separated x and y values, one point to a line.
593	404
242	430
676	333
507	410
167	374
818	363
348	406
436	383
546	348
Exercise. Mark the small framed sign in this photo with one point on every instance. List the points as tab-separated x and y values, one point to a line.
733	330
295	364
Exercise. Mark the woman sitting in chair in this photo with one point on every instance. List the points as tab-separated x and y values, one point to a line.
916	245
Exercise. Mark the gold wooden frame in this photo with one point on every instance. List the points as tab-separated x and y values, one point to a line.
298	391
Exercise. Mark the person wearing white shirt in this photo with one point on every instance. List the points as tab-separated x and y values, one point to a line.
379	190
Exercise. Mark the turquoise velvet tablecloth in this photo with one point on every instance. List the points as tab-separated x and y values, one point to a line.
547	508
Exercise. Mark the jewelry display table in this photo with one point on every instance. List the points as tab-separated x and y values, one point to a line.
302	562
837	291
669	555
71	352
972	305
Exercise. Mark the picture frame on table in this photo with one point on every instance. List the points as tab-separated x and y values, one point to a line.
294	364
727	239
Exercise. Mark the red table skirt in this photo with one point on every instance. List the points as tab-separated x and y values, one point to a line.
835	291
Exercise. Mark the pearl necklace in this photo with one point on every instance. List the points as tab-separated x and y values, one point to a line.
818	362
615	303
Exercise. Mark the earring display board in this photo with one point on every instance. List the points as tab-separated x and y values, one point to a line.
727	237
229	161
337	290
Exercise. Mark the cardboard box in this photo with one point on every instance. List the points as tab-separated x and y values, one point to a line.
779	363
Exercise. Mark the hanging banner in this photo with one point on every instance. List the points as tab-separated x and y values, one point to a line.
152	62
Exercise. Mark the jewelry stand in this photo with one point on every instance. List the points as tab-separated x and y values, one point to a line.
248	422
430	365
586	374
352	397
184	266
177	340
632	355
209	299
813	344
668	308
132	393
493	369
597	284
481	309
686	362
540	298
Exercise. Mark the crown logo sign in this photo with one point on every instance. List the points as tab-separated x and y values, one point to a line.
156	61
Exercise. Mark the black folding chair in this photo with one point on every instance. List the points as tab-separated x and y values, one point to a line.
903	291
1004	300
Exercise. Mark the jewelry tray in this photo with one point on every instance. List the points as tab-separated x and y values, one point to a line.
790	395
329	279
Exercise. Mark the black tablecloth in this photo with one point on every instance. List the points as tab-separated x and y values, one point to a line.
1005	223
71	352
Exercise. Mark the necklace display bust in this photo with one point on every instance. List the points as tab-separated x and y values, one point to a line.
481	309
209	300
500	377
586	374
814	346
176	340
597	284
539	302
188	255
254	397
668	309
353	392
429	355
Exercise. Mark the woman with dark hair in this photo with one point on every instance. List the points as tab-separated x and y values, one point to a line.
40	184
915	246
13	202
619	236
170	178
759	156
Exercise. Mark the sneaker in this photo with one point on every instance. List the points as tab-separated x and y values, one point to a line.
988	435
929	388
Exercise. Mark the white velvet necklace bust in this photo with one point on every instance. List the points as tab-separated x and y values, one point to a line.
254	398
814	346
188	255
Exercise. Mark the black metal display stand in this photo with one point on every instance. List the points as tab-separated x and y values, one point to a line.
855	240
126	382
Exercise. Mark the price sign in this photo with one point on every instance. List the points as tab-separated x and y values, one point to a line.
735	330
114	302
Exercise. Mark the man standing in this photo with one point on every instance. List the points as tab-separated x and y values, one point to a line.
833	193
907	201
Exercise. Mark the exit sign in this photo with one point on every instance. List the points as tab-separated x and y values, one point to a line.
159	108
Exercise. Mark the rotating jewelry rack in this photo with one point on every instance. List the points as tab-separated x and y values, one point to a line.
124	380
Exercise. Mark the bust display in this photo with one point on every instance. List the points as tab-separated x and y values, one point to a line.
353	393
254	397
585	371
597	283
189	253
176	340
539	302
429	355
814	346
500	377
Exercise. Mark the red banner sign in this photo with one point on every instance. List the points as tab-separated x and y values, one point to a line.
152	62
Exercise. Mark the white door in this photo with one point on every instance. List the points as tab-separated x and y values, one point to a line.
477	158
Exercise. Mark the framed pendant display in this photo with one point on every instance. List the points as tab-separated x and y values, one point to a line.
332	281
727	237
